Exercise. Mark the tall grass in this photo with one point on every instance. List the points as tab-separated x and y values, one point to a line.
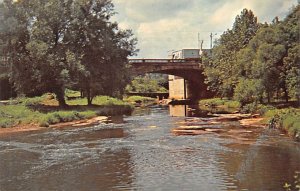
31	110
287	119
138	99
98	100
218	102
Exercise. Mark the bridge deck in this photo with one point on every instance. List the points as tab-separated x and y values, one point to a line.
164	61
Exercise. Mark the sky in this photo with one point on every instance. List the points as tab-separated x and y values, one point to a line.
162	26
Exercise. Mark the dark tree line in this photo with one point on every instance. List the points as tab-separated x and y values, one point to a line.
59	44
253	62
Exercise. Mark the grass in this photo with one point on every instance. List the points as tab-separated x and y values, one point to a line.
98	100
138	99
44	110
284	117
218	102
287	119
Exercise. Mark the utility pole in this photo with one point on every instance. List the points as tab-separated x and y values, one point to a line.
211	36
198	40
211	39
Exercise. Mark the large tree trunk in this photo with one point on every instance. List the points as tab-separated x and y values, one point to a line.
60	96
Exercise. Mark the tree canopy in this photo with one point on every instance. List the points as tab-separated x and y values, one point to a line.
53	45
253	61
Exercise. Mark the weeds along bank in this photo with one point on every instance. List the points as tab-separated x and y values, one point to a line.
286	119
44	110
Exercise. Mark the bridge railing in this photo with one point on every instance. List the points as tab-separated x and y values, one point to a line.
163	60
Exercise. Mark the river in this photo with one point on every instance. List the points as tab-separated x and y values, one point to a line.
140	152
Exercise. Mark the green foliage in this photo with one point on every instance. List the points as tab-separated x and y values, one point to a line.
98	100
263	109
32	101
222	69
64	116
26	111
108	101
249	108
292	65
248	91
146	84
220	102
138	99
72	94
286	119
53	45
253	62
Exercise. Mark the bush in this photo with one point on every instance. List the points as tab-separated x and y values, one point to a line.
31	102
249	108
4	123
248	91
263	109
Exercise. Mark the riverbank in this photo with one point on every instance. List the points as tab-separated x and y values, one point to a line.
283	116
36	127
32	113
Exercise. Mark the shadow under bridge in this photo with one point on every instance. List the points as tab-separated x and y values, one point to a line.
189	69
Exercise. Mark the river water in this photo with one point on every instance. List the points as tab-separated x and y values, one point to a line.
140	152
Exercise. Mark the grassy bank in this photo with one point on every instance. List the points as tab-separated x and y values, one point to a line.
45	111
278	115
287	119
139	99
218	102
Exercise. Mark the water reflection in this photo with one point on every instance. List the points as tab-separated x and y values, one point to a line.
187	111
69	159
141	153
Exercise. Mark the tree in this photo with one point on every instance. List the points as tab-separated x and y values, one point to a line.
248	91
146	84
271	55
65	43
102	49
292	65
223	70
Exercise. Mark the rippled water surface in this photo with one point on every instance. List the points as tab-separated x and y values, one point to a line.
141	153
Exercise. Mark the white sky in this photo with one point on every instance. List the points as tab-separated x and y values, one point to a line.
165	25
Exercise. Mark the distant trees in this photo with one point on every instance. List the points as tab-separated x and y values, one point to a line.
254	61
57	44
148	83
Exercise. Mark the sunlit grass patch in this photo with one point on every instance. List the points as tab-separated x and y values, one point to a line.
137	99
217	102
38	111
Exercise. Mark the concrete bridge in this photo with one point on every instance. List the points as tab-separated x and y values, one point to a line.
189	69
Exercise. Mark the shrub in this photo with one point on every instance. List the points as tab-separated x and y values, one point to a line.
4	123
31	102
286	119
248	91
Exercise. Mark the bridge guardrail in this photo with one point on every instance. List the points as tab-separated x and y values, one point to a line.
162	60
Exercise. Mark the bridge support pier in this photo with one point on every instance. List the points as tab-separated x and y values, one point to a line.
192	88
